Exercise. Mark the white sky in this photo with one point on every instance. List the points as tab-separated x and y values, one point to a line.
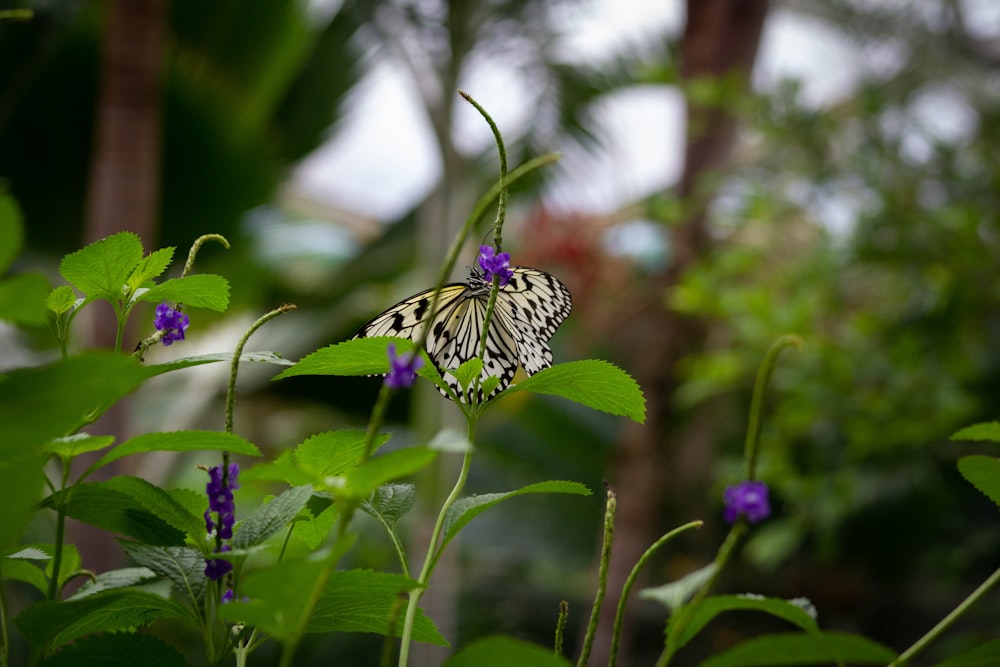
383	160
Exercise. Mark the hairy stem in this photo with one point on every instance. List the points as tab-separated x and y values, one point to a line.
602	577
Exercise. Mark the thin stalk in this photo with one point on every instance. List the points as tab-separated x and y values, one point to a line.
561	627
430	560
60	535
755	421
630	582
4	636
196	246
945	622
502	153
602	577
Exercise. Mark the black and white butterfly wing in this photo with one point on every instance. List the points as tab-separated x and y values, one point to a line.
529	308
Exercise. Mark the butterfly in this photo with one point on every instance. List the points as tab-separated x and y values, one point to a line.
528	310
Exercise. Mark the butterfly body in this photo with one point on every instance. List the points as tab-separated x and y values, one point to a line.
528	310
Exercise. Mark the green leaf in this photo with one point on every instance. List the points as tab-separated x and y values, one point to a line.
504	652
676	593
278	597
33	552
151	266
51	624
697	618
366	601
983	472
360	356
160	503
202	359
389	502
313	531
101	269
986	654
11	231
61	299
466	509
468	371
799	649
362	481
183	567
103	505
72	446
597	384
323	455
202	290
983	431
266	520
38	404
70	563
26	571
179	441
117	650
113	579
23	299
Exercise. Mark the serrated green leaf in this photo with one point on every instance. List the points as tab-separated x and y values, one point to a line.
160	503
11	231
504	652
72	446
313	531
597	384
113	579
268	519
468	371
184	567
33	552
101	269
278	597
202	290
360	356
802	649
983	472
986	654
202	359
376	471
366	601
23	298
466	509
984	431
697	618
117	650
389	502
61	299
101	504
676	593
334	452
26	571
50	624
151	266
178	441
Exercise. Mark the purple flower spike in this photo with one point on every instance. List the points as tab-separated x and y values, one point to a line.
173	323
221	515
402	369
748	499
493	264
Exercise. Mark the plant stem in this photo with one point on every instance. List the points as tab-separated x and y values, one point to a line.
945	622
755	421
196	246
630	582
431	558
561	626
502	152
602	576
4	636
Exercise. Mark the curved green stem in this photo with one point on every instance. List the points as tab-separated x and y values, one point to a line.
561	627
757	402
945	622
502	152
630	582
196	246
431	558
602	576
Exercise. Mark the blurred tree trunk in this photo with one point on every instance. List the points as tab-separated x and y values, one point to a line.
124	182
665	460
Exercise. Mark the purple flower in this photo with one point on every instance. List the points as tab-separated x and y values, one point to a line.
173	323
402	369
748	499
221	515
493	264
